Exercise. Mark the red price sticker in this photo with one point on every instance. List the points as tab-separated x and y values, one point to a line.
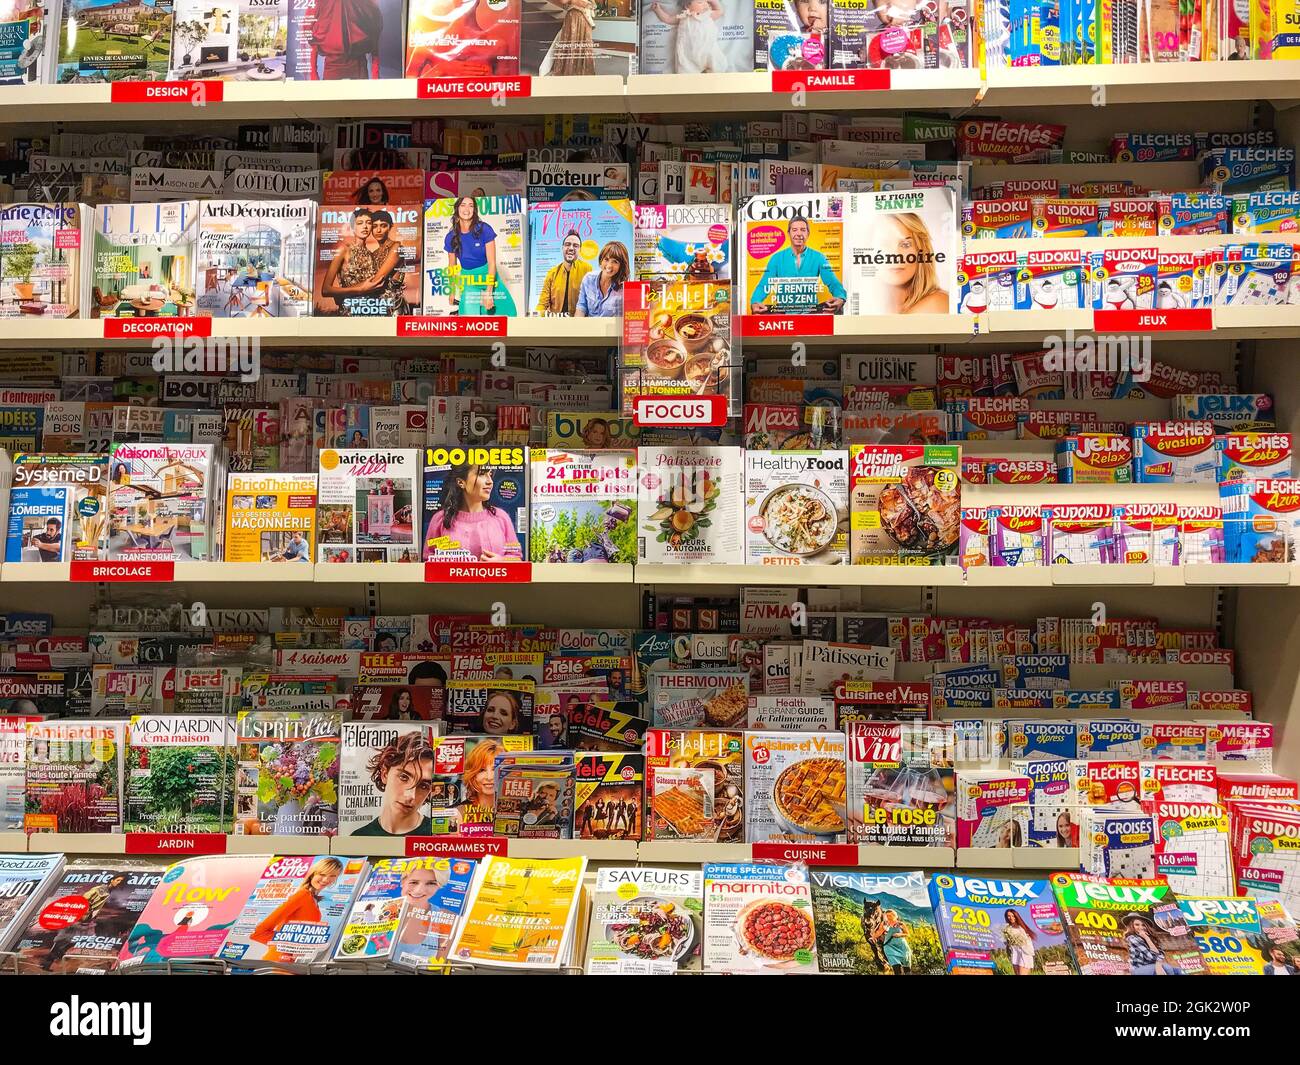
454	846
145	328
478	572
425	325
175	843
197	93
808	853
473	88
830	80
786	325
1180	320
110	572
650	411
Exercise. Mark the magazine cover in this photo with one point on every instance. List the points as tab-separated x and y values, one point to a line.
401	701
337	40
796	507
695	37
1000	927
74	776
40	260
475	504
534	795
13	773
695	785
758	919
270	517
464	784
287	780
645	921
462	38
387	779
579	256
698	698
492	707
790	34
296	910
192	908
255	258
105	40
609	795
583	506
572	38
180	773
25	45
797	787
158	502
1236	937
435	899
369	931
142	259
691	505
875	924
474	254
25	880
677	341
905	503
57	508
83	924
901	784
1121	927
366	505
246	40
792	254
542	898
900	254
683	242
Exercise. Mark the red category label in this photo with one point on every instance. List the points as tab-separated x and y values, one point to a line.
1183	320
830	80
679	410
473	88
454	846
139	328
809	853
175	843
786	325
108	572
478	572
197	93
423	325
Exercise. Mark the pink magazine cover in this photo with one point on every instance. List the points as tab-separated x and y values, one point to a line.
193	908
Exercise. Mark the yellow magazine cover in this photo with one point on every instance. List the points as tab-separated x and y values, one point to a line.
1284	29
270	517
521	913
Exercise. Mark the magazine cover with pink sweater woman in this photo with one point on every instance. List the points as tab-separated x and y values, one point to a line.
475	504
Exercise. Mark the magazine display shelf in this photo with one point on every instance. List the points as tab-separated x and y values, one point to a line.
413	573
1142	83
197	572
1043	859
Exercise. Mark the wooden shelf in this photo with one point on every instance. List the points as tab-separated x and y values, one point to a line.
13	842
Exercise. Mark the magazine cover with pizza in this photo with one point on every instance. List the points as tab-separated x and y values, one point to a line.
758	919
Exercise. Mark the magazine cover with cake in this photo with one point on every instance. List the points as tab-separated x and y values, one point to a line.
792	254
40	260
474	255
344	40
255	258
237	40
142	262
114	40
462	38
695	37
901	252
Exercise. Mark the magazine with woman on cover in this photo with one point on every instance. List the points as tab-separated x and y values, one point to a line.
474	255
900	254
462	38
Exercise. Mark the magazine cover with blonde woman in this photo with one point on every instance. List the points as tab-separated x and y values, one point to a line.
900	253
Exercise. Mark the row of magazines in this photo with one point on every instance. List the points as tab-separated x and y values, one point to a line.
258	913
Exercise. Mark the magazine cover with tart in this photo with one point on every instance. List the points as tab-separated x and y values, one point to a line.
435	894
645	921
245	40
57	508
475	504
286	783
796	508
296	910
474	259
82	924
180	773
900	254
695	37
270	517
758	919
344	40
579	256
40	260
462	38
609	795
367	503
387	780
695	785
797	787
691	505
1123	927
1000	927
583	506
106	40
142	259
255	258
792	254
901	784
159	502
875	924
683	242
25	880
542	900
192	908
74	776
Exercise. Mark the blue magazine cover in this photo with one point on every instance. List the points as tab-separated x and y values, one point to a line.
579	256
